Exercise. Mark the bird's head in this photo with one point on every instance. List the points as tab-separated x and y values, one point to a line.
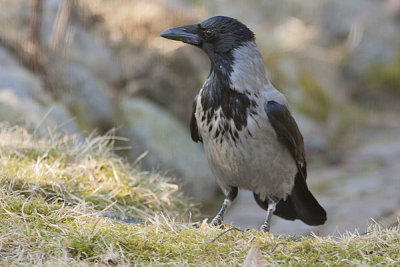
229	44
216	35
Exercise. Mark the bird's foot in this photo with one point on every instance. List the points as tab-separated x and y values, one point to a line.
265	227
195	225
217	221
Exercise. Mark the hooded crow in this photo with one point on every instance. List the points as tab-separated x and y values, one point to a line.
250	138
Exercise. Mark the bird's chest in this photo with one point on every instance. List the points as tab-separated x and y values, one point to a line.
223	115
224	124
247	154
235	139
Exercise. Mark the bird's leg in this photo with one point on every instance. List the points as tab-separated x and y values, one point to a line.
220	216
232	193
270	210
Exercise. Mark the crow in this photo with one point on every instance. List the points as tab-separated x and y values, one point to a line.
250	138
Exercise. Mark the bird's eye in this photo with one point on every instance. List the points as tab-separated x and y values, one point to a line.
208	34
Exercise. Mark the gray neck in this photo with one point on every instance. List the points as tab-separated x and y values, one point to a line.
248	69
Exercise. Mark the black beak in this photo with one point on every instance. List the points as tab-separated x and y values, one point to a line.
187	34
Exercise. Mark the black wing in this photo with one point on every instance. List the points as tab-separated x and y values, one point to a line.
300	204
194	131
288	133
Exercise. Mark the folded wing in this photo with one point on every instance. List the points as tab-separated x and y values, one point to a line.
300	204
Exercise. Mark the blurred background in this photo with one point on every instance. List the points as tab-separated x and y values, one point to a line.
79	66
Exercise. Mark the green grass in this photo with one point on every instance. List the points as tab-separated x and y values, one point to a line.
50	187
83	172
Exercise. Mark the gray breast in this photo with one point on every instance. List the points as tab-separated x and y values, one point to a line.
249	158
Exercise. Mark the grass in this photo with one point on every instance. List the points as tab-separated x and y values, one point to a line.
83	172
50	187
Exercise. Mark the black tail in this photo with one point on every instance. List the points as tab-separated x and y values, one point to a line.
300	204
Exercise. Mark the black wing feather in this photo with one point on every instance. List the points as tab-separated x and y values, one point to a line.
194	131
300	204
288	133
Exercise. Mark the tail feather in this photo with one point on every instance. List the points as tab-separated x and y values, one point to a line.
300	204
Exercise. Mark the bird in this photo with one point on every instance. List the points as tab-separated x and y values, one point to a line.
250	138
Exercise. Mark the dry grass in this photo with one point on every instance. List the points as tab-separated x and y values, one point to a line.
49	188
83	172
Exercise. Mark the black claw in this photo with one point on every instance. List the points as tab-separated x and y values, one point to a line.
196	225
216	221
265	228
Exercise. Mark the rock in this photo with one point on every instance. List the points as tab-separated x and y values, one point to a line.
19	91
23	100
170	148
7	60
85	49
171	81
81	69
89	51
86	66
372	35
61	120
88	97
352	34
14	75
17	109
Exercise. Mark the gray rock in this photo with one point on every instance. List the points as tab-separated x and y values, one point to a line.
171	81
365	27
23	83
89	51
86	66
7	60
85	49
17	108
80	70
372	35
170	148
23	100
88	97
19	91
61	120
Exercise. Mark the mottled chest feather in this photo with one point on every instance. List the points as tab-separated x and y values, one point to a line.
224	114
234	105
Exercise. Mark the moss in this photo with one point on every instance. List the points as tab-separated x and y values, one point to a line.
313	100
81	116
384	76
83	172
98	240
317	104
81	248
46	217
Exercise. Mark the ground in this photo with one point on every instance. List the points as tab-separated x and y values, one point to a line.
56	191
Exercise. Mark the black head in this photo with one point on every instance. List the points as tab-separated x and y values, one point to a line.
216	35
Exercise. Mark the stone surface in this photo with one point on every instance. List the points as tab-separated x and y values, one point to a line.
372	35
88	97
23	99
170	148
78	44
171	81
60	120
